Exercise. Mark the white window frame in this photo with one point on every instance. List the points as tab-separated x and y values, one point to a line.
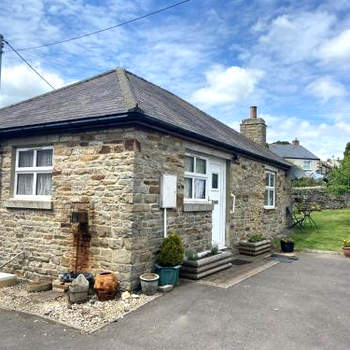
193	175
310	163
31	170
270	188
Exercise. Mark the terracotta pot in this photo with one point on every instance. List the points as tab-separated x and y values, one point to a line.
106	285
346	251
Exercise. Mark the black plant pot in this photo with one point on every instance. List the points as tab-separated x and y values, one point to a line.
287	247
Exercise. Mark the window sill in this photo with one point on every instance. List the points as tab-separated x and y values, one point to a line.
28	204
269	208
208	206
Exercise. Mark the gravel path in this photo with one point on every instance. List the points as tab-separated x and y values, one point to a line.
86	317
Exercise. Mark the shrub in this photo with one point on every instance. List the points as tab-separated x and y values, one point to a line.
172	251
258	237
307	182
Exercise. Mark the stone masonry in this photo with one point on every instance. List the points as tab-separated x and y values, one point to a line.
114	175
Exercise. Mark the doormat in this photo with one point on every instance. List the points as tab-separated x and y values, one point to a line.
283	259
240	262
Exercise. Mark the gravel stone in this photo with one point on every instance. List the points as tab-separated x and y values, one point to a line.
87	317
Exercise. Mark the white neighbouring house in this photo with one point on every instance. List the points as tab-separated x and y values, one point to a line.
307	163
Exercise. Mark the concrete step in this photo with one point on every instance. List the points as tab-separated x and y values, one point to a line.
7	279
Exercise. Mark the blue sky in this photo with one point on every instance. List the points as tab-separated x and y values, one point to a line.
290	58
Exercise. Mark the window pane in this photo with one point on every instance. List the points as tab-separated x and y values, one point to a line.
215	181
25	184
266	200
267	179
44	157
199	188
272	180
271	198
189	164
25	159
201	167
188	188
43	184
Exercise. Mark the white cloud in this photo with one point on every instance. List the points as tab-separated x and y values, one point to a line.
337	48
326	88
227	85
325	139
20	83
297	36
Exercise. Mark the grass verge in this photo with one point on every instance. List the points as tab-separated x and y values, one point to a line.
333	228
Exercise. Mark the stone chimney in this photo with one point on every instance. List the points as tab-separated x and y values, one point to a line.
254	127
295	142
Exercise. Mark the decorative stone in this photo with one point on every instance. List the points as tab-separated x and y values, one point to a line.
126	295
7	279
166	288
40	286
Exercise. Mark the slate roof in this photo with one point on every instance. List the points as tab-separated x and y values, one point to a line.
117	93
293	152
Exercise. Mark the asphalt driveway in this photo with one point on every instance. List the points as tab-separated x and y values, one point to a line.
301	305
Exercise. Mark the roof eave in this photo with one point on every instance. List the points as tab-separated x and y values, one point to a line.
129	118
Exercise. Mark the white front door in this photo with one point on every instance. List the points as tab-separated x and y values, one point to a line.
217	194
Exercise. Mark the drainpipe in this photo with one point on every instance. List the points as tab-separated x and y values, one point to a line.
165	223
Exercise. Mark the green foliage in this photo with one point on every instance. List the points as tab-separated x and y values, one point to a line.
191	255
346	243
307	182
281	143
287	240
339	179
258	237
214	249
172	251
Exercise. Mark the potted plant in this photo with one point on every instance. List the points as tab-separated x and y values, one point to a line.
149	283
346	247
254	245
169	260
287	245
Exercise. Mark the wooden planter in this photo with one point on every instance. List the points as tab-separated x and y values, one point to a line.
197	269
254	248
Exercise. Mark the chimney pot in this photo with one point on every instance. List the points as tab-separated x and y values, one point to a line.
253	112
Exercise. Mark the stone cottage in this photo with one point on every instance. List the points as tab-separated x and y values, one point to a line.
81	171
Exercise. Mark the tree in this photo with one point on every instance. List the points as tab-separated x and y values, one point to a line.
339	180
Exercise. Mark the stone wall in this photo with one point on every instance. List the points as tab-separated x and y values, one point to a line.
318	195
250	217
93	172
114	175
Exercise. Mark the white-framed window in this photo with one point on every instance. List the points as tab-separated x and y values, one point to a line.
33	173
270	190
196	179
307	165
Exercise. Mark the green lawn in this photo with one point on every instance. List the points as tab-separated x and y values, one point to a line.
333	228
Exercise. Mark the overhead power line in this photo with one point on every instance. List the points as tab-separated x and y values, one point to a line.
105	29
26	62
